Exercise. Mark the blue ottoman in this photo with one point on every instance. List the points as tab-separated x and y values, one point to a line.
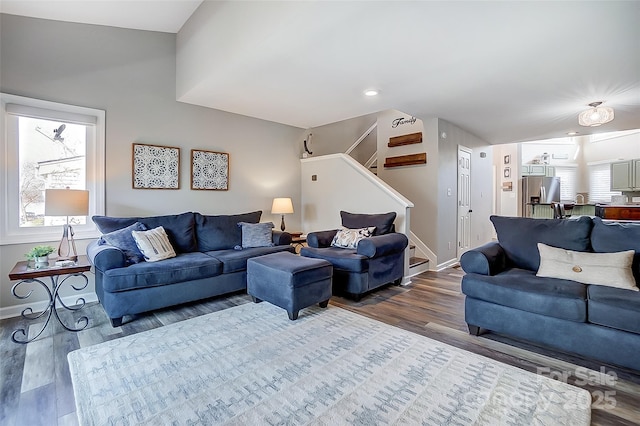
289	281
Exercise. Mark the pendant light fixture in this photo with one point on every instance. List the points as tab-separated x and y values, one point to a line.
595	116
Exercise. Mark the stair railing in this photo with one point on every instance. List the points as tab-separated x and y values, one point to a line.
361	138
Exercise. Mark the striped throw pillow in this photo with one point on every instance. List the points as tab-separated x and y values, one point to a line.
154	244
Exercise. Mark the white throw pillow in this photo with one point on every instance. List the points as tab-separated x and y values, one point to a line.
610	269
154	244
349	238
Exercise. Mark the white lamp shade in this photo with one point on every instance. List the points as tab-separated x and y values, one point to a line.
282	206
66	202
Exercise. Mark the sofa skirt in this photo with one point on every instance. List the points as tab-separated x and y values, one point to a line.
588	340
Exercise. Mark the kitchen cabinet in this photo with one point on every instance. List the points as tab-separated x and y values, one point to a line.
625	175
538	170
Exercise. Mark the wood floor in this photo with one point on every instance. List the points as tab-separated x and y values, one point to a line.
36	387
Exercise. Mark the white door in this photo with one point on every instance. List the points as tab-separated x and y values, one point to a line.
464	200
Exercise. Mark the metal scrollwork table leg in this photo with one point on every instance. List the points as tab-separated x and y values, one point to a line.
51	309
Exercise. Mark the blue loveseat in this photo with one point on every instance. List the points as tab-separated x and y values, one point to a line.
504	295
209	262
376	261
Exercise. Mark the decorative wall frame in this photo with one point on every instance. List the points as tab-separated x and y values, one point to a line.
155	167
506	172
507	159
209	170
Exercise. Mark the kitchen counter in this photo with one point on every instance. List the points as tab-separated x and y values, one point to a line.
618	212
544	210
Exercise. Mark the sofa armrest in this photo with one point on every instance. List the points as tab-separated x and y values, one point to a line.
105	257
382	245
489	259
281	238
321	239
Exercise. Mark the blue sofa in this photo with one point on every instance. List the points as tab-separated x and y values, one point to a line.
209	262
504	295
376	261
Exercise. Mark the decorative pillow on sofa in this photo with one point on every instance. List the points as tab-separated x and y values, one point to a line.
519	236
154	244
349	238
256	235
610	269
123	240
383	222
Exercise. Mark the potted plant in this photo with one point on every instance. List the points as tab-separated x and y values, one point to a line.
40	254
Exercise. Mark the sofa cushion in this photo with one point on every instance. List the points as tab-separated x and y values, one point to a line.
180	228
256	235
521	289
617	236
123	239
236	260
340	258
382	221
609	269
519	237
183	267
221	232
614	307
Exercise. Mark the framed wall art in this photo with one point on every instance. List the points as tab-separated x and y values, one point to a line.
506	172
209	170
507	159
155	167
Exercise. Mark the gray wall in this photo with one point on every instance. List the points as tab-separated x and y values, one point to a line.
338	137
131	75
481	189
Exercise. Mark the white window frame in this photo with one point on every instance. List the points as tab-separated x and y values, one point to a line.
12	106
605	166
573	169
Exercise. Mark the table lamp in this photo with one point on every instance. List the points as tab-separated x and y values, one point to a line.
66	202
282	206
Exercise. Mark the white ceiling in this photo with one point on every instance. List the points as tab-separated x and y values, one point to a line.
505	71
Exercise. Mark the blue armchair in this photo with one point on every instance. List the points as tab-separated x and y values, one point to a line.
376	260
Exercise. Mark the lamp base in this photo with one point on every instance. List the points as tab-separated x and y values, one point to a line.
282	224
67	247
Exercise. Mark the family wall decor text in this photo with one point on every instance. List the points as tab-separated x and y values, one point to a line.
209	170
155	167
402	120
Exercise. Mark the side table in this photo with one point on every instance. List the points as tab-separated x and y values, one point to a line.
26	274
298	240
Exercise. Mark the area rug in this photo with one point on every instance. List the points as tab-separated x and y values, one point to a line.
251	365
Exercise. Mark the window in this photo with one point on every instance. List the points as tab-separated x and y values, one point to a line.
48	146
600	183
568	176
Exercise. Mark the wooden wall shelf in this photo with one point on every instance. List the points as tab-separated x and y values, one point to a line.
406	160
409	139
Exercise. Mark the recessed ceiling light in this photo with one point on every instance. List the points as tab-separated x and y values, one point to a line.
572	133
371	92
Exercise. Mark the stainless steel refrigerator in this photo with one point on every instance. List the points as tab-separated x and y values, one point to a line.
539	190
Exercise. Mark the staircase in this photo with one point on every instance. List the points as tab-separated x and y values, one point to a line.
417	265
418	259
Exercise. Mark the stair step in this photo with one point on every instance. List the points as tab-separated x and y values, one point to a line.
416	261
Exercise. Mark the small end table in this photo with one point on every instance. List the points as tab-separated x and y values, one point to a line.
26	274
298	240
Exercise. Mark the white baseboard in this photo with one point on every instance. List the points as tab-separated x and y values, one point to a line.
447	264
16	310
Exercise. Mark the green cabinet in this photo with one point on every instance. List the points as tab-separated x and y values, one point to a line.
538	170
625	175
